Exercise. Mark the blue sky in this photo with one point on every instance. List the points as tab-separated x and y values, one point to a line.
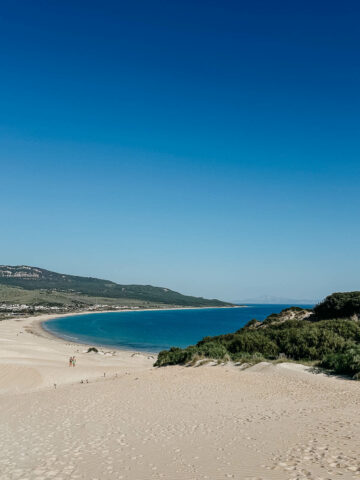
210	147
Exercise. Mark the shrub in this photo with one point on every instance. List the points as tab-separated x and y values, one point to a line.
175	356
251	342
339	305
347	362
346	328
309	342
92	349
213	350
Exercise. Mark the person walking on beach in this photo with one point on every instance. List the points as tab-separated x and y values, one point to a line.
73	361
70	361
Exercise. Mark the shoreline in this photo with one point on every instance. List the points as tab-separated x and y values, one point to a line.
31	358
39	327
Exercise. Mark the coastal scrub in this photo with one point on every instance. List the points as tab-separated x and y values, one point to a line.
295	333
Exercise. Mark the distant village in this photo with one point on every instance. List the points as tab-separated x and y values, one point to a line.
9	310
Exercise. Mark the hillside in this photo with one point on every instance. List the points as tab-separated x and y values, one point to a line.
328	335
53	298
54	288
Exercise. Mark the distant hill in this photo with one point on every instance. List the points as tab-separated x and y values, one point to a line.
38	279
272	300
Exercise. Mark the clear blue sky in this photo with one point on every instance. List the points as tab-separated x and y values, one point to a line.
211	146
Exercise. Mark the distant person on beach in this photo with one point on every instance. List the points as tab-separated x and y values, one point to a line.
70	361
73	361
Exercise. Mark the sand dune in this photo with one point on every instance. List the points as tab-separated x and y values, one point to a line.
268	422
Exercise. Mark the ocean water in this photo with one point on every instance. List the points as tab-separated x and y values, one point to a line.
152	331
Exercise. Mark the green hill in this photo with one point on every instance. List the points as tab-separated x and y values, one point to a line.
61	288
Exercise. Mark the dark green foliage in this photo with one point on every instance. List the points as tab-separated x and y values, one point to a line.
339	305
347	362
212	350
253	342
185	355
309	342
92	349
175	356
33	278
346	328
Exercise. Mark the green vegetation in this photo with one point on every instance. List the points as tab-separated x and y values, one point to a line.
347	362
55	298
339	305
295	333
36	279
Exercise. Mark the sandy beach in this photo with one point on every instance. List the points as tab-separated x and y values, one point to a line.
268	422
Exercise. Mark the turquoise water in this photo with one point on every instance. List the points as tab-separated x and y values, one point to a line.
152	331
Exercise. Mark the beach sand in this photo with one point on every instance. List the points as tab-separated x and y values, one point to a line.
268	422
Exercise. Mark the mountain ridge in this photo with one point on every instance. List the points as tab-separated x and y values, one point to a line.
36	278
274	300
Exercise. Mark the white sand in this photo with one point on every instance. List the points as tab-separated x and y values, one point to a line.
267	422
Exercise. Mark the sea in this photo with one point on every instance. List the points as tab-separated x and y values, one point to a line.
153	331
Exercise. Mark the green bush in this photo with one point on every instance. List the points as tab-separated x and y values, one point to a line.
213	350
339	305
309	342
251	342
175	356
346	328
347	362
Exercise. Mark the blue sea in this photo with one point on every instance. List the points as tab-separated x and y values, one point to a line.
152	331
